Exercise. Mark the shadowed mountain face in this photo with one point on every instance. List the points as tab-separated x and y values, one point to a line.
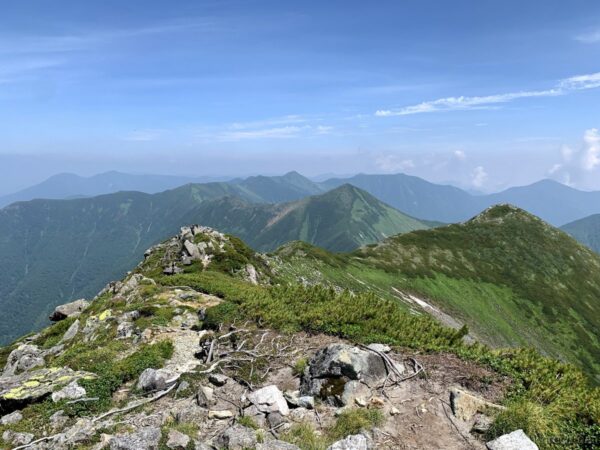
586	231
512	278
52	251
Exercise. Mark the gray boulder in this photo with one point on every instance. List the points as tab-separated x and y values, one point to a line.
517	440
144	439
334	366
71	332
12	418
17	438
177	440
156	380
72	391
269	400
72	309
354	442
22	359
236	437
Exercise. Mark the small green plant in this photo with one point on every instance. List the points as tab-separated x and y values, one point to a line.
354	421
299	367
248	421
304	436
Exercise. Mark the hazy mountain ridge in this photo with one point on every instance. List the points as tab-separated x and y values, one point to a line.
55	250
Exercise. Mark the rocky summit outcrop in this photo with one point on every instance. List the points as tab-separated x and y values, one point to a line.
72	309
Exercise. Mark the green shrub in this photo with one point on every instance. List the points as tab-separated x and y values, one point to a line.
354	421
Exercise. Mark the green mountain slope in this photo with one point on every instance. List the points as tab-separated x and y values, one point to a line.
586	231
513	279
53	251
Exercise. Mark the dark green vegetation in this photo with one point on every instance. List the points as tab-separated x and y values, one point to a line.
514	280
552	401
54	251
586	231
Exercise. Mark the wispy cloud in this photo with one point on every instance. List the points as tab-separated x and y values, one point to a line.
563	87
591	37
265	133
478	177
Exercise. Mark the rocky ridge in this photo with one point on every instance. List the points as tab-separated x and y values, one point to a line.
145	366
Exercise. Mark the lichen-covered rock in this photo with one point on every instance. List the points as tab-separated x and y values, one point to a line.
23	358
72	309
21	390
146	438
237	437
517	440
465	405
156	380
354	442
269	400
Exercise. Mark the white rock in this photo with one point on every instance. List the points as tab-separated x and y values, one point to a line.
12	418
517	440
269	399
70	392
380	348
221	415
355	442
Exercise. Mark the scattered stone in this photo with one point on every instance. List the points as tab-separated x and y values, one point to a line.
58	420
376	402
221	415
205	396
257	416
360	401
394	411
72	391
71	332
237	437
82	431
146	438
275	420
269	399
465	405
182	388
352	391
382	348
22	359
12	418
218	379
188	412
306	401
125	330
517	440
72	309
177	440
354	442
17	438
156	380
251	274
482	424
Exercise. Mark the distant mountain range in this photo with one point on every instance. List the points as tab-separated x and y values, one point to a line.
67	185
586	231
52	251
409	194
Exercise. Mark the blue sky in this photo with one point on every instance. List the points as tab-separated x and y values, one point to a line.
483	94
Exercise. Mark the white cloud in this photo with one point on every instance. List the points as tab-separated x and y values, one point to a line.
323	129
393	163
554	169
591	153
478	177
565	86
589	38
567	153
265	133
460	155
